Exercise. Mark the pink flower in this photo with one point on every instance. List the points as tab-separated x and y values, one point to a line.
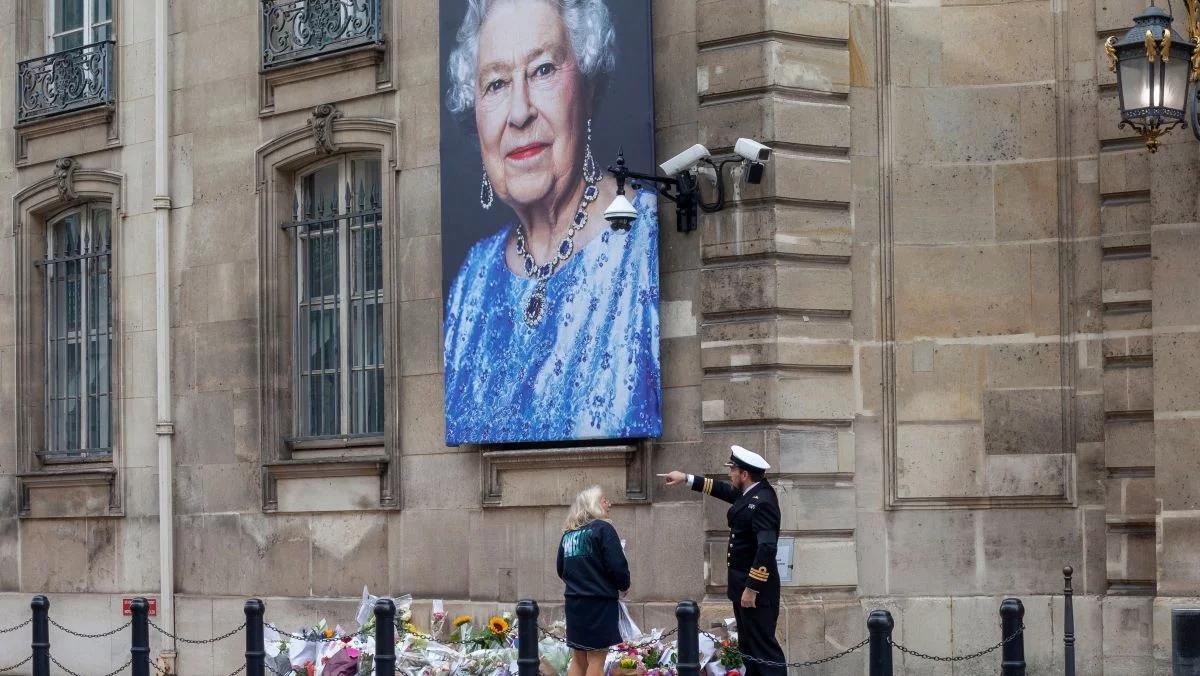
352	652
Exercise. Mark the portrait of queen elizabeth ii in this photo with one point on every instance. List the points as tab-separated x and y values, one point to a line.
551	325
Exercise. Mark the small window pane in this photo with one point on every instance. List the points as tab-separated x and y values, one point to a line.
365	181
68	41
101	10
321	192
102	32
68	15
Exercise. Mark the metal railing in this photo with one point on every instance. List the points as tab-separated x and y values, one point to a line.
295	30
65	82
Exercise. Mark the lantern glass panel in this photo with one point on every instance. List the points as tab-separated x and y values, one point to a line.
1135	83
1176	84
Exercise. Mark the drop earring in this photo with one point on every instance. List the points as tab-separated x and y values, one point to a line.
590	173
486	195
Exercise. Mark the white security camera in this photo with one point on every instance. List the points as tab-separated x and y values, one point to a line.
685	160
752	150
621	213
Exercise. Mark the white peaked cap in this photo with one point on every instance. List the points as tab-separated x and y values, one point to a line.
747	459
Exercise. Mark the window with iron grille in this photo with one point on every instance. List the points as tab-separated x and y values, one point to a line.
79	332
339	299
75	23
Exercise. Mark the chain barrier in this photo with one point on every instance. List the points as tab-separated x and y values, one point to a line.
191	641
12	629
301	637
114	672
793	665
5	670
962	658
575	646
80	634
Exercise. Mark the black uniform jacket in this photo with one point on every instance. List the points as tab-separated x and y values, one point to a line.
753	532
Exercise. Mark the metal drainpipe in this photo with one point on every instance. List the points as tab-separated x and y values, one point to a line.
164	426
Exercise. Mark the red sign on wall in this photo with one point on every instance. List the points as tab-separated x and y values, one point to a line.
126	604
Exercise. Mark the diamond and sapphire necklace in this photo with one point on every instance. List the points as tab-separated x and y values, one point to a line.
536	306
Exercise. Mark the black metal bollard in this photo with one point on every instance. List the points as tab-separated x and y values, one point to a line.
385	638
1012	615
41	636
256	654
879	626
139	646
527	638
1068	623
687	615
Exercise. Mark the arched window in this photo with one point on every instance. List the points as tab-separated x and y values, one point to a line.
339	299
79	332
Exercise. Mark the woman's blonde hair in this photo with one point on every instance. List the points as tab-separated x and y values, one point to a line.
586	508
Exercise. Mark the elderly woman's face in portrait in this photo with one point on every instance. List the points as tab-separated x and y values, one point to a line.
529	103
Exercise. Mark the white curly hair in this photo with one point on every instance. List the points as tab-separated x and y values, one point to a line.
588	24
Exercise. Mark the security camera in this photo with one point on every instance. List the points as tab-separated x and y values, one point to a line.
685	160
621	213
752	150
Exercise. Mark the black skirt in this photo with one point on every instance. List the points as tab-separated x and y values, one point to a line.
593	622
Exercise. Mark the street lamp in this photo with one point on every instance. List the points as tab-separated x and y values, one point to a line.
1153	66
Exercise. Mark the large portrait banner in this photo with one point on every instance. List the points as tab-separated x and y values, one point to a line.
551	327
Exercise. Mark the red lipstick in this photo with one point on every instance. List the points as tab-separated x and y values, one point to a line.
527	151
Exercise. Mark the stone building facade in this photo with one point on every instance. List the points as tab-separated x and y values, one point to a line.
959	317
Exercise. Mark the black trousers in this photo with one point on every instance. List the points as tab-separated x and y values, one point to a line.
756	638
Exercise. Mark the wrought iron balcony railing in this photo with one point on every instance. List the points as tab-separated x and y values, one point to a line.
66	81
294	30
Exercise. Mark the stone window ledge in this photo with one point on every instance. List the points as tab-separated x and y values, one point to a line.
329	483
77	490
322	65
551	476
96	116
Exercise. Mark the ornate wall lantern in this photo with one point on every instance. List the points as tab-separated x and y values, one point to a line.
1153	66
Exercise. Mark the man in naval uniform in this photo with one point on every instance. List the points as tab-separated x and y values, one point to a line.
753	582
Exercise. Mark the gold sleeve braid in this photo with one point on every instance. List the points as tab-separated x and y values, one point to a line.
761	574
708	486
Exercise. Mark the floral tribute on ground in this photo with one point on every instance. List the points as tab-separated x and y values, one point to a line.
461	646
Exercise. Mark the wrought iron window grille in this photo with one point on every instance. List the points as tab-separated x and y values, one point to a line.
296	30
339	257
79	334
65	82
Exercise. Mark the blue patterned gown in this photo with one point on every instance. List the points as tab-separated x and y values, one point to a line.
588	370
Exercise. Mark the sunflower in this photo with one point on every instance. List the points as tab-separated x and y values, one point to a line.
498	625
461	620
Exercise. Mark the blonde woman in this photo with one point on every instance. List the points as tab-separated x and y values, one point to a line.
592	564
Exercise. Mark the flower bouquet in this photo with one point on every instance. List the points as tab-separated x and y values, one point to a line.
658	661
727	660
556	655
497	634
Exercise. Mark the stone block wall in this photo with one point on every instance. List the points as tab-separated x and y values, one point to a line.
957	316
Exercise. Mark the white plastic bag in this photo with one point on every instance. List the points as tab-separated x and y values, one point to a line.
629	630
